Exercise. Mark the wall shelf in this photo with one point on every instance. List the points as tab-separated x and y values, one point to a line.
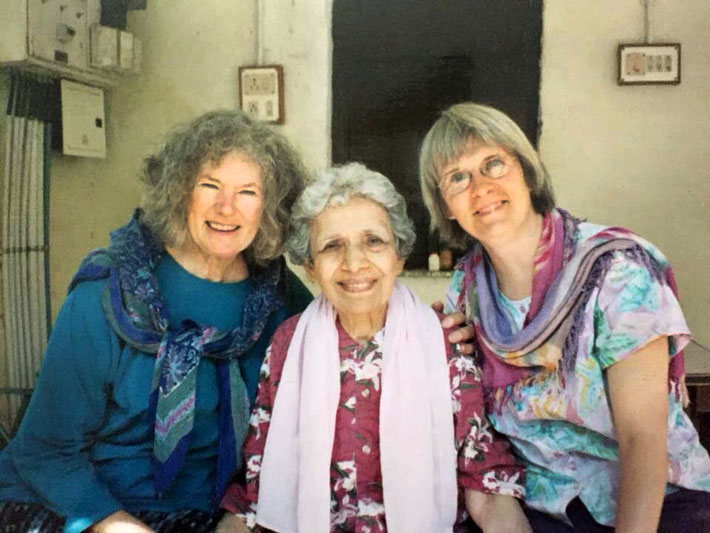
47	68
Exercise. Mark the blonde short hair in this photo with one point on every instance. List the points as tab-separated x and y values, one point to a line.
448	139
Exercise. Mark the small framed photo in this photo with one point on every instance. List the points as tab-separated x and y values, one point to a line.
645	64
261	92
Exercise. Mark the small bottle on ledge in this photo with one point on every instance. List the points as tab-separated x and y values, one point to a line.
446	257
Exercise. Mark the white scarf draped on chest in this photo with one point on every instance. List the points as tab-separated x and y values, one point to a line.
418	455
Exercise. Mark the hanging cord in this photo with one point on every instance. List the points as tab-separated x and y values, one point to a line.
646	20
260	32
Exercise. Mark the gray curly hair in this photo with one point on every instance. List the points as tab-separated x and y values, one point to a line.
336	186
447	140
169	177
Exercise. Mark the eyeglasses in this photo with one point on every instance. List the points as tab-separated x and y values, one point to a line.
494	167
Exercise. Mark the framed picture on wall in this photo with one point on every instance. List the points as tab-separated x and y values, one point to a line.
261	92
649	64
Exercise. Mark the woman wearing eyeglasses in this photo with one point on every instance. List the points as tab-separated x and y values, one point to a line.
578	333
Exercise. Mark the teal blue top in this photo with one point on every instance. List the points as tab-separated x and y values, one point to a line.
84	447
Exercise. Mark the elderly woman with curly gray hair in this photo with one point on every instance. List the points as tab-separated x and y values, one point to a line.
141	406
367	418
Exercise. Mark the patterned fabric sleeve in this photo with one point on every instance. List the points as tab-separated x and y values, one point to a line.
453	301
485	462
241	499
634	307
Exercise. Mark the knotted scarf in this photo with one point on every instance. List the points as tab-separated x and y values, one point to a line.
418	455
133	306
568	266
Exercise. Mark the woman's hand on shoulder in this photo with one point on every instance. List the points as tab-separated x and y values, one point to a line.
120	522
463	334
231	523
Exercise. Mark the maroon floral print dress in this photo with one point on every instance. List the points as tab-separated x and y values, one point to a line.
356	502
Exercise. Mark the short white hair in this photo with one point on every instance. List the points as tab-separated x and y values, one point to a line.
336	186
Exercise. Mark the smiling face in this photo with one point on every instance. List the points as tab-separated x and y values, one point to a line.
225	210
495	206
355	263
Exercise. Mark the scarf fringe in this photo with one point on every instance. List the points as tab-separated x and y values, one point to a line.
679	389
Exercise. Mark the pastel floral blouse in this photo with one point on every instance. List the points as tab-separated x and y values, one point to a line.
564	431
484	461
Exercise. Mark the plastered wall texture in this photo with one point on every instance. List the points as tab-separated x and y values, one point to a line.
634	156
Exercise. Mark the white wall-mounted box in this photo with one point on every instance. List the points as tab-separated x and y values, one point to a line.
104	47
52	37
83	120
58	31
125	51
137	56
13	45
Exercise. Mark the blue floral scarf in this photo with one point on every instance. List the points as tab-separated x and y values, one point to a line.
135	310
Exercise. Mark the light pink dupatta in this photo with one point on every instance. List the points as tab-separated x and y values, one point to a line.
418	455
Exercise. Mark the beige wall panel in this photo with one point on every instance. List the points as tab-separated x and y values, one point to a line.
298	36
634	156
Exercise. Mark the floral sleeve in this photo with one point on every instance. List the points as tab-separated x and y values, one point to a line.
632	308
485	462
241	498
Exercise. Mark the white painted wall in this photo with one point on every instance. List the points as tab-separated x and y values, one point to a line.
297	35
638	156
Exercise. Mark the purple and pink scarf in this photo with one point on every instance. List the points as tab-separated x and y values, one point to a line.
567	268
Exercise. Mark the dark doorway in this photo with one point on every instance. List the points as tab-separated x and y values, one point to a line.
398	63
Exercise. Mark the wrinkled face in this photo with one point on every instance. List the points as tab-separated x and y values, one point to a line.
354	258
495	205
225	209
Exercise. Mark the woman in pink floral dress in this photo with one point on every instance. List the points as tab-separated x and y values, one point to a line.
366	419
